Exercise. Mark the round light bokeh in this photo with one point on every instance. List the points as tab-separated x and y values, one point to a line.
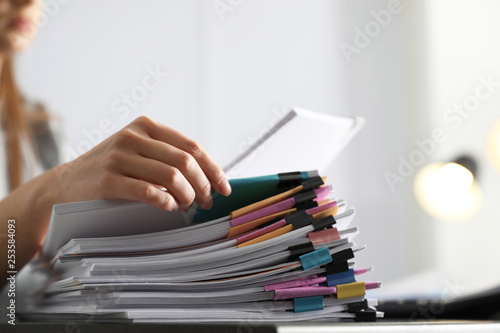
493	144
448	192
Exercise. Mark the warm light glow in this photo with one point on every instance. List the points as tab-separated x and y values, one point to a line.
494	145
454	177
447	192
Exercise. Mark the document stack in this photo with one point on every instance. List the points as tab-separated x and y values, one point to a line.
279	248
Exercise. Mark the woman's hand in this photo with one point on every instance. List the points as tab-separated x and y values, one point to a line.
128	165
134	161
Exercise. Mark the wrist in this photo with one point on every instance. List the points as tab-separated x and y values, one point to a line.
45	191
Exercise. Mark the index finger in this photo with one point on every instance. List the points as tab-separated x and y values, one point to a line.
211	169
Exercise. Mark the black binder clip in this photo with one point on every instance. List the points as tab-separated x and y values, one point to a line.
334	268
304	197
298	250
312	183
307	205
299	219
367	315
289	179
342	256
324	223
357	306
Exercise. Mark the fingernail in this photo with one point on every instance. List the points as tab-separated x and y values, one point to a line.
225	187
176	207
208	204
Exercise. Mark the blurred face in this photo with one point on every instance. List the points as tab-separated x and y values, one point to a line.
18	26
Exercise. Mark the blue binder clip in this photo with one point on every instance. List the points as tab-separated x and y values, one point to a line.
340	278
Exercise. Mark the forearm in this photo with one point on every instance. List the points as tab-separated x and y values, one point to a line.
29	206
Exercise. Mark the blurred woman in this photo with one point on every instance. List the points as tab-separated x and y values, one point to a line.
128	165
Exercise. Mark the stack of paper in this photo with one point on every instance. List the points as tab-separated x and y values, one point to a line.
280	248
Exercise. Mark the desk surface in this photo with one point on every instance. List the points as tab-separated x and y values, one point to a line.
301	327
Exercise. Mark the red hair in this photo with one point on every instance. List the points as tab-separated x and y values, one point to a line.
13	122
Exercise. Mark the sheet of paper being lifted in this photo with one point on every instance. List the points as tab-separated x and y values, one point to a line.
318	137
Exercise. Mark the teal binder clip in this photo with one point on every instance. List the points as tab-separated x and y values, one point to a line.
316	258
303	304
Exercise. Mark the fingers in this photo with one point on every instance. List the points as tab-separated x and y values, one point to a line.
120	187
145	153
156	172
151	153
185	163
212	171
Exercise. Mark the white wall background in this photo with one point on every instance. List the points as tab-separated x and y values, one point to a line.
461	54
231	76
